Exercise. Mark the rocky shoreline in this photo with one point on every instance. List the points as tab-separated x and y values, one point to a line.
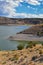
25	37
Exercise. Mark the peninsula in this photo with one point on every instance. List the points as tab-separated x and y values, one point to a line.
35	33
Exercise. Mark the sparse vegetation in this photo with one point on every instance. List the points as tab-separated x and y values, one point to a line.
33	55
4	62
39	34
29	44
40	52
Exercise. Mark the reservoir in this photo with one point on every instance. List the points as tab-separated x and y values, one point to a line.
5	32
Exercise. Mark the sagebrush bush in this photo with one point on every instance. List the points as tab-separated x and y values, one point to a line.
20	46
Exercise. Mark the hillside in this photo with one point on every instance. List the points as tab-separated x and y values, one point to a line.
33	30
29	56
5	20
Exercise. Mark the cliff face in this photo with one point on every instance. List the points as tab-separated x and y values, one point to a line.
5	20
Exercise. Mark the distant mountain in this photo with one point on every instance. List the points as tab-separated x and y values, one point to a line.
5	20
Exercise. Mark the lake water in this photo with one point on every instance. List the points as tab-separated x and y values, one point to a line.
5	32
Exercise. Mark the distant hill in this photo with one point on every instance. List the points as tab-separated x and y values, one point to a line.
5	20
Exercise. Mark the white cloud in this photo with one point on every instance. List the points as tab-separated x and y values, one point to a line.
10	5
24	15
33	2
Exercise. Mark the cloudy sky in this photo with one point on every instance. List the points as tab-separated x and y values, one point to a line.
21	8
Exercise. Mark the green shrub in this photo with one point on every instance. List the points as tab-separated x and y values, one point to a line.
29	45
39	34
20	46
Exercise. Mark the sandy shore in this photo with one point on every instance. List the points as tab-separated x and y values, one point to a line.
26	37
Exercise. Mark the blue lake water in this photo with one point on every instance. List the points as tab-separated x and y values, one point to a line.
5	32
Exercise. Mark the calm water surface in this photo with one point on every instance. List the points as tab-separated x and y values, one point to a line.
5	32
